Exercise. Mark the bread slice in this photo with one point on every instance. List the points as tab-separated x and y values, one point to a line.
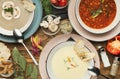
28	6
82	52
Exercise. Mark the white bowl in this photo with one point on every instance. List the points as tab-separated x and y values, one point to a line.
103	30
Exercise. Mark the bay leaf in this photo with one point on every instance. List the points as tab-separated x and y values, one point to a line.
34	74
15	55
19	77
22	62
29	70
18	58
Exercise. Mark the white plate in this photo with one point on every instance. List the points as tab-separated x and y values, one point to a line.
22	23
85	33
57	40
58	66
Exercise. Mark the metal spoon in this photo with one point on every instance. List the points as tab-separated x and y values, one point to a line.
94	71
18	35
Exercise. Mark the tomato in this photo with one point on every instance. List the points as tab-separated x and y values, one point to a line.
55	2
62	3
113	46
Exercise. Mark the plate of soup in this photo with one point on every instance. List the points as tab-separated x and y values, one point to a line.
98	16
63	63
14	15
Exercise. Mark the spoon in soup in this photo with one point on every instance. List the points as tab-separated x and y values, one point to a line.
94	71
18	35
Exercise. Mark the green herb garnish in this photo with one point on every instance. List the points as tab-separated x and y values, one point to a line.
47	6
10	9
23	70
96	13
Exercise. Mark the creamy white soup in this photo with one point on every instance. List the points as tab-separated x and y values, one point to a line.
67	65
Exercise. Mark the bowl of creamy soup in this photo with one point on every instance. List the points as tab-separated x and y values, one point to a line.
63	63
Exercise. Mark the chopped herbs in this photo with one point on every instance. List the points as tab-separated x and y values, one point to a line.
47	6
10	9
96	13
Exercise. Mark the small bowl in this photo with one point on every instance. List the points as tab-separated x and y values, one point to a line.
46	30
7	74
59	7
106	29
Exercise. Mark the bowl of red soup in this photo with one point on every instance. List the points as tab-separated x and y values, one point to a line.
98	16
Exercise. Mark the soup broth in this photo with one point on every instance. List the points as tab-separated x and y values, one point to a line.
97	14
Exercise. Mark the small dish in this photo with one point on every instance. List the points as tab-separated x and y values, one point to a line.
50	24
7	67
59	4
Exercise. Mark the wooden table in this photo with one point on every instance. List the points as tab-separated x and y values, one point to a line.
103	70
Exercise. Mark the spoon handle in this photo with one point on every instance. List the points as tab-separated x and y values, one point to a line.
104	76
29	53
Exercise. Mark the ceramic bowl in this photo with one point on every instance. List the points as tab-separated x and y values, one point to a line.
101	30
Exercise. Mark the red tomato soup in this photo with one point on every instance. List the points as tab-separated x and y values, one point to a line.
97	14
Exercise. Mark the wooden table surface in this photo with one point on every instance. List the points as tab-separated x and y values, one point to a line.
103	70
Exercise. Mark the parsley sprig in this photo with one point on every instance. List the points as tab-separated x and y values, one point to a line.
10	9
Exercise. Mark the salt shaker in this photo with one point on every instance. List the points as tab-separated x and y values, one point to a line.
104	56
114	67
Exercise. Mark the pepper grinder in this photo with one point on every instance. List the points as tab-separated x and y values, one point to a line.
115	66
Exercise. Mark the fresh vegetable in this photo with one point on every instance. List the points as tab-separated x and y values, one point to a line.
36	47
60	3
113	46
55	2
47	7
